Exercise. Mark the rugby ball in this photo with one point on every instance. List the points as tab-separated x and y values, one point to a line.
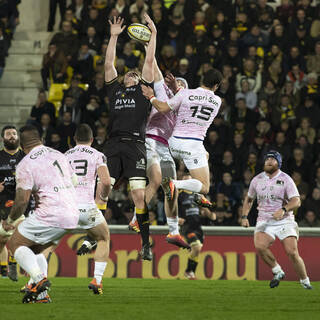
139	32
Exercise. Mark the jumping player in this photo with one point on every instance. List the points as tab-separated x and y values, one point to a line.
277	197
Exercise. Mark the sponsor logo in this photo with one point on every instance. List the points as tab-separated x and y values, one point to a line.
141	164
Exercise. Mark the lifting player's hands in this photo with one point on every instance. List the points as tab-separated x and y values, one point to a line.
171	82
147	91
1	186
245	223
150	23
181	221
116	26
7	226
278	215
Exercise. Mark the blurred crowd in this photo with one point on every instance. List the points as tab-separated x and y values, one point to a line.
9	19
270	60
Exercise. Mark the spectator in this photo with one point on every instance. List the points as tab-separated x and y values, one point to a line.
43	106
92	40
168	60
256	38
97	87
66	130
139	8
83	63
93	20
282	146
3	50
313	60
306	130
184	72
52	13
214	147
302	186
313	202
131	60
100	139
310	110
310	220
298	163
292	92
45	129
92	111
69	16
74	90
239	150
71	106
55	142
249	73
247	94
54	66
297	77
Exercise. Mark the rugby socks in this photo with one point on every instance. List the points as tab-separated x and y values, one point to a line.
12	260
173	225
193	185
28	261
143	221
277	269
192	264
134	218
4	262
43	264
99	268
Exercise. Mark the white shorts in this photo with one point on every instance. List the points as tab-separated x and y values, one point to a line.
191	151
280	229
90	216
158	153
38	232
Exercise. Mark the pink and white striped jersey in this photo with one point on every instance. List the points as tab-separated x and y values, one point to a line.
47	173
85	161
196	109
159	124
272	194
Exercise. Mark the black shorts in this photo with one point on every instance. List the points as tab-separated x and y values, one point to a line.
4	213
126	158
192	229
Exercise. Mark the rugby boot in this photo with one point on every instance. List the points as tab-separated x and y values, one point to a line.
32	294
134	226
202	201
177	240
276	279
190	275
86	247
45	299
96	288
146	253
168	188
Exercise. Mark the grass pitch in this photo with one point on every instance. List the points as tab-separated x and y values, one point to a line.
140	299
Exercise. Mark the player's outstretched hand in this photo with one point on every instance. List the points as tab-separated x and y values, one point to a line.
278	215
116	26
171	82
147	91
245	223
150	23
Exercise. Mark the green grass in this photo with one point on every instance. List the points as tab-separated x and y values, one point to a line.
164	299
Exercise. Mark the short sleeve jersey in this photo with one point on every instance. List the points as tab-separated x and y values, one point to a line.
85	161
47	173
160	124
196	109
129	110
272	194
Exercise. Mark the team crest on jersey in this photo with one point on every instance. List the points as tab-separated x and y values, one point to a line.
280	182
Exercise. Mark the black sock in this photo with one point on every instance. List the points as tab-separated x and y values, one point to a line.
143	221
192	265
4	270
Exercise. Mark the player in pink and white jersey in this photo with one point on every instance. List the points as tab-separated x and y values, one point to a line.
196	109
46	173
277	197
89	164
159	160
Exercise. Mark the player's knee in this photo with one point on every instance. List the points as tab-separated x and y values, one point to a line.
205	189
196	250
260	247
292	253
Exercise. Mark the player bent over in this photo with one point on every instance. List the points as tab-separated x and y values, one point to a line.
89	164
277	197
196	109
47	173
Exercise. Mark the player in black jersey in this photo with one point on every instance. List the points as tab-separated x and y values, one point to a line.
190	221
129	110
10	156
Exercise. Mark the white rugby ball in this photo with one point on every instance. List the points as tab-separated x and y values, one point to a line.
139	32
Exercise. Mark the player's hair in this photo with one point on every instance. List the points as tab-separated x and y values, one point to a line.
211	78
29	134
7	128
83	133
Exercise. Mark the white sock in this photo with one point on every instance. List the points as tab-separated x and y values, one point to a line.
193	185
277	269
28	261
173	225
305	281
99	268
43	264
134	218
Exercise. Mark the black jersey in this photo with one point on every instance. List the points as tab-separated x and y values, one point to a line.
186	205
129	110
8	164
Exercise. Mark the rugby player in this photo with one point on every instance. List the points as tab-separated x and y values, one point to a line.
47	173
159	160
189	219
277	197
10	156
89	164
196	109
125	149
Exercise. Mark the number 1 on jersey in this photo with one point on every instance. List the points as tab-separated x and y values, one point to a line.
56	163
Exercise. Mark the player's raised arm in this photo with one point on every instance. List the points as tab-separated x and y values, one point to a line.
161	106
115	29
148	66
